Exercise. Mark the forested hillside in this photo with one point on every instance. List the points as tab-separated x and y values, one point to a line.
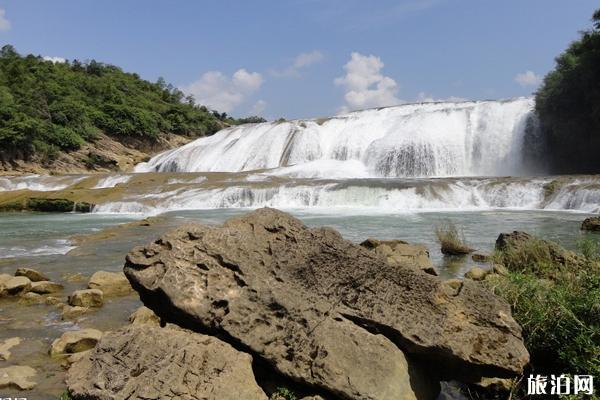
48	109
568	104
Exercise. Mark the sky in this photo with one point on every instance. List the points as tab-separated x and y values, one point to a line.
309	58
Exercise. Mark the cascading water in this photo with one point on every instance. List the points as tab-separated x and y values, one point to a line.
483	138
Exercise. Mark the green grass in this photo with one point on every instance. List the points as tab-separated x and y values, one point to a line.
452	239
557	304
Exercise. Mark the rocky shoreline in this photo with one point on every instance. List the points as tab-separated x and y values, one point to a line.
263	306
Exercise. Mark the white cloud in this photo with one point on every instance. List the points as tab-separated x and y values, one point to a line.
365	86
258	108
223	93
302	60
4	22
54	59
423	97
528	78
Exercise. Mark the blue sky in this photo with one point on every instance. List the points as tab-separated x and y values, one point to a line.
309	58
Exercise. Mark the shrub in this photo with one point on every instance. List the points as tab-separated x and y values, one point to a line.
283	394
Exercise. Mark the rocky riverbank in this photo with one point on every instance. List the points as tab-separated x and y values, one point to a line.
265	307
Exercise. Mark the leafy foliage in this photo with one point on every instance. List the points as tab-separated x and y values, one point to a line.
47	107
568	104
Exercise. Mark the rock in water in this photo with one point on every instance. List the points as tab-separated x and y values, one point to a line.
87	298
591	224
75	341
111	283
6	345
32	274
148	362
17	285
17	377
46	287
285	292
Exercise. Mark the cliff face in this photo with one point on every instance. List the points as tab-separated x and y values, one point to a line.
104	155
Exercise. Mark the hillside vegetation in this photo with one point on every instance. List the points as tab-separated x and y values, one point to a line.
48	109
568	104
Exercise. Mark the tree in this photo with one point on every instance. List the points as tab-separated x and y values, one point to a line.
568	105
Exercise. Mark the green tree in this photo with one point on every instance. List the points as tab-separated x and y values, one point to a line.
568	104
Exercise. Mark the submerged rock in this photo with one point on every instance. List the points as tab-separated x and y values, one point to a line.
6	345
310	304
163	363
32	274
110	283
75	341
72	312
591	224
477	257
46	287
87	298
399	252
17	377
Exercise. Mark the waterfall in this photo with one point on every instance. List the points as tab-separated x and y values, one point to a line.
445	139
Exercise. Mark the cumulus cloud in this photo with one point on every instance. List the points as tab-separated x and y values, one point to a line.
220	92
302	60
528	78
55	59
4	22
423	97
365	85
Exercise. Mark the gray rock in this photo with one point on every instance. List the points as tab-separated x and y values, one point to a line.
147	362
75	341
32	274
110	283
283	291
87	298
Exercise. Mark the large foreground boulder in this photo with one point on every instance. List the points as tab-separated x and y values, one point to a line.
324	311
146	362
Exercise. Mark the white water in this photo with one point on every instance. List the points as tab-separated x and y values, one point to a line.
38	182
374	196
112	181
482	138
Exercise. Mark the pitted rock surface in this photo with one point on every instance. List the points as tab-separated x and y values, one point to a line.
149	362
285	292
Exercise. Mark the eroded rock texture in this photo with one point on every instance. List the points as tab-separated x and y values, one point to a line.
324	311
149	362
